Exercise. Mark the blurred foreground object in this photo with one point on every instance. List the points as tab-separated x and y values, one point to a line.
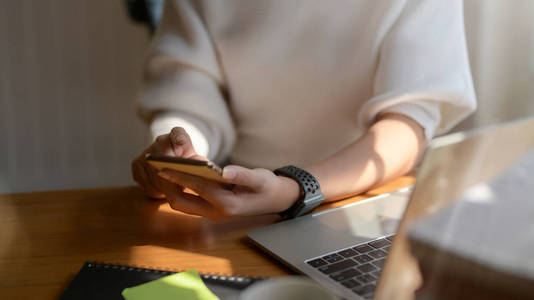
483	244
465	232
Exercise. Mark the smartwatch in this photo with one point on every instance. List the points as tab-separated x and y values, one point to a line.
310	191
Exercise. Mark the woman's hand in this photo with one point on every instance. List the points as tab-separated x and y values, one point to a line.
255	192
177	143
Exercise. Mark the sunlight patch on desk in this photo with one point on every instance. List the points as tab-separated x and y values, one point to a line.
177	260
165	207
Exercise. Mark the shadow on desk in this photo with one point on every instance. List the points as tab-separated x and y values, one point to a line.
47	236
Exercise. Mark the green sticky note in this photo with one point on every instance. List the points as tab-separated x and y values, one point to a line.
184	285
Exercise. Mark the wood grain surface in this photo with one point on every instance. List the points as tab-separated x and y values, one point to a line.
45	238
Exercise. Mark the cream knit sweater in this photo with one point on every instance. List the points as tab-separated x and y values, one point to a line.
273	82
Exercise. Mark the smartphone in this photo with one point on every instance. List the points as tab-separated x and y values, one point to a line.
204	169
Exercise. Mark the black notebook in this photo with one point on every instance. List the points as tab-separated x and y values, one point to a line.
106	281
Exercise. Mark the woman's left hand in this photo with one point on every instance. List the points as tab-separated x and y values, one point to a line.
254	192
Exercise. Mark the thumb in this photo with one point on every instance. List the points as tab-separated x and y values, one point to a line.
243	176
181	142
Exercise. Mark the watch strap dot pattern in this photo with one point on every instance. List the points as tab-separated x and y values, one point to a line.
311	195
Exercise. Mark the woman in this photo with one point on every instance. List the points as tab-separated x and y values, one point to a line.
350	91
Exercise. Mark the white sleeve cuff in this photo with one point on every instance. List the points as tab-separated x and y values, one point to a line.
436	112
205	139
424	113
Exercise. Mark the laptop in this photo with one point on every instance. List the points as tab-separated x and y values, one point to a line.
360	250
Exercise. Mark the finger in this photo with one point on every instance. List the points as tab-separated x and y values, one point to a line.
142	178
181	142
211	191
188	203
138	173
150	174
196	183
162	145
242	176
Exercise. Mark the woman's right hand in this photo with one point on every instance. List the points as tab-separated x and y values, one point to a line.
177	143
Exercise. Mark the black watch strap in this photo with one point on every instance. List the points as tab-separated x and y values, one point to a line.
310	191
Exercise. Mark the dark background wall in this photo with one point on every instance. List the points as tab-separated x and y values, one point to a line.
69	74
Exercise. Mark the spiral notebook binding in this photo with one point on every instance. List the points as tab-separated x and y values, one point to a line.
216	277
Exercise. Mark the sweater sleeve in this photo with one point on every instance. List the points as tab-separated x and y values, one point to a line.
183	77
423	68
197	130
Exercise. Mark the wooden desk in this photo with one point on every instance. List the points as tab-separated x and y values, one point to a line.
45	238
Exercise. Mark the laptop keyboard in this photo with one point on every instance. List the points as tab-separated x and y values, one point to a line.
356	268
